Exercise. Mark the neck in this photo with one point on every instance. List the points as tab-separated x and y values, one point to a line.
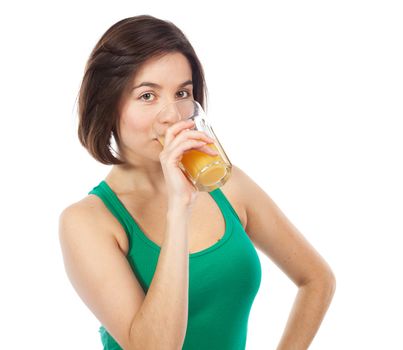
133	179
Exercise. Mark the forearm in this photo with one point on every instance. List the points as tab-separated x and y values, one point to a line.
311	303
161	322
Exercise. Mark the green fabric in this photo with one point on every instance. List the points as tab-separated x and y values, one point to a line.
223	278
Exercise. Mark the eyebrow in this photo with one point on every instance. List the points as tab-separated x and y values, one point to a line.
156	86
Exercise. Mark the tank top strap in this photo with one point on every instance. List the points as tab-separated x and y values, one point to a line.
224	203
113	203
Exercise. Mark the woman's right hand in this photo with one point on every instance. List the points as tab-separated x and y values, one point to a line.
179	138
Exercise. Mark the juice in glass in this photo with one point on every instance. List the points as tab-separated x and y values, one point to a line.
206	172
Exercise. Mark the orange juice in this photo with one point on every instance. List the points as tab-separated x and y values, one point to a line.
207	172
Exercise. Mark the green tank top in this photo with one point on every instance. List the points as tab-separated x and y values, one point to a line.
223	278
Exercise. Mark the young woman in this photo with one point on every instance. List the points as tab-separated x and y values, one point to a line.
161	265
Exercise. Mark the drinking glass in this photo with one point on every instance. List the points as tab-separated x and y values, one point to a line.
206	172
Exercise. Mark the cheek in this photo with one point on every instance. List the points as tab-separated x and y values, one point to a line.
135	123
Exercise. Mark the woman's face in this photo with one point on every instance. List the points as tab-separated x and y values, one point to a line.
159	81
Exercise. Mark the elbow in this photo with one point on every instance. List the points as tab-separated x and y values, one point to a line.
329	279
332	279
329	287
327	283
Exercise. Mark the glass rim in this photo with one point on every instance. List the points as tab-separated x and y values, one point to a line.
181	101
198	110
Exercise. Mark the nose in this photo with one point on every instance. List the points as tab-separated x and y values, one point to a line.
169	114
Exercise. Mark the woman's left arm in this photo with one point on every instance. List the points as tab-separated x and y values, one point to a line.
273	234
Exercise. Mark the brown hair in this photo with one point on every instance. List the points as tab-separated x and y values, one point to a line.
110	69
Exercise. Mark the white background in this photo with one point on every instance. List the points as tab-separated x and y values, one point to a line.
305	97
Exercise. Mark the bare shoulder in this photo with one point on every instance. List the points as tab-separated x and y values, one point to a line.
88	210
243	192
233	191
239	186
90	216
231	187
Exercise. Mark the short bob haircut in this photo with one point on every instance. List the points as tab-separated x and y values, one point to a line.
110	70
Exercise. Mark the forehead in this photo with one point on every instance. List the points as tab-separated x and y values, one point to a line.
170	66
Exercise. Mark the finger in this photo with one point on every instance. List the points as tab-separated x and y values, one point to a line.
191	134
176	128
209	150
174	155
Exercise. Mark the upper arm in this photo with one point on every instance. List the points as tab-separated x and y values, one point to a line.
99	271
273	233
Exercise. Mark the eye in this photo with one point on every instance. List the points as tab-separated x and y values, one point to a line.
148	96
183	94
